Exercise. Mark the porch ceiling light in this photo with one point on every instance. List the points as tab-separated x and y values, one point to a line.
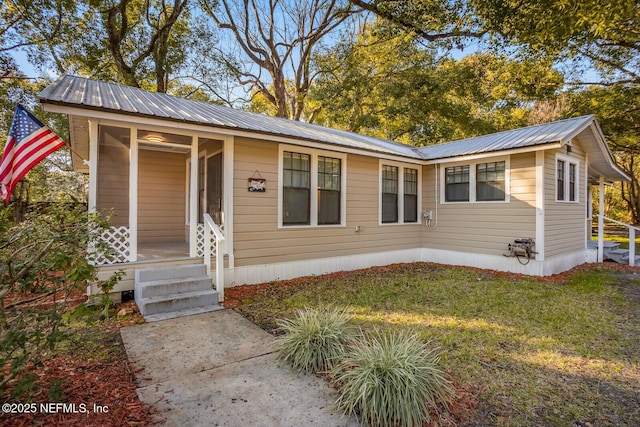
155	138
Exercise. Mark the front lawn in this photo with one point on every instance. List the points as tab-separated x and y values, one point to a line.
558	351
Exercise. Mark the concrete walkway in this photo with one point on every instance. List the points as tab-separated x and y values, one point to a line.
219	369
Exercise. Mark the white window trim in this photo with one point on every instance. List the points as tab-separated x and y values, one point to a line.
472	180
313	202
568	160
401	167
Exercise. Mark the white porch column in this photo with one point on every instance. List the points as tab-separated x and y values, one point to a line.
133	194
632	246
193	199
228	156
93	166
601	222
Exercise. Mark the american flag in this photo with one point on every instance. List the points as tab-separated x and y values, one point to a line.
29	142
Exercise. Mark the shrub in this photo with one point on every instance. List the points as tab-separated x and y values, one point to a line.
314	339
391	379
45	267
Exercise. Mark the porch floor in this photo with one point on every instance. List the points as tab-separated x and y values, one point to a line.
165	250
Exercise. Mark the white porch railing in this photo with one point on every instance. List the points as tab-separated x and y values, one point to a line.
632	238
118	240
213	232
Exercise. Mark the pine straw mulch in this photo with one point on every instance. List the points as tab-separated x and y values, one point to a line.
90	368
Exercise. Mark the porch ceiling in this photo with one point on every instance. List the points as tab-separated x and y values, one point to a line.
79	133
601	160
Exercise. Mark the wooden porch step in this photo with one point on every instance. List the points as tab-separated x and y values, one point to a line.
607	244
174	291
621	256
162	287
178	301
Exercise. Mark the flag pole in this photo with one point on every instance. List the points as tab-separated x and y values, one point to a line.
76	153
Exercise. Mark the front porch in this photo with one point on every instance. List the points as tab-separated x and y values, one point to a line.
163	192
167	281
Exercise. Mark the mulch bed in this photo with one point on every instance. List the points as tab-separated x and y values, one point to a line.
98	391
235	295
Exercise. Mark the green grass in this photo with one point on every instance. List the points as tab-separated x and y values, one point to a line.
535	352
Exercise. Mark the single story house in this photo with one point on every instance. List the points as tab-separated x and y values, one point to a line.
293	199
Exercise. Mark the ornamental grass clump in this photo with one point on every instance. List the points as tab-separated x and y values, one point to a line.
314	339
391	379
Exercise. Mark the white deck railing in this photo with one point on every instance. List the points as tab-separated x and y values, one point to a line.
632	238
213	232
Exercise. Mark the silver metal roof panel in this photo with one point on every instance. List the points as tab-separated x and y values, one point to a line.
97	95
561	131
82	92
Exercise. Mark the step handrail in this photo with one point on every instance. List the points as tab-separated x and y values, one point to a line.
632	237
212	230
618	222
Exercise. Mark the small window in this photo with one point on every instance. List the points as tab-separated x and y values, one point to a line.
567	179
296	188
490	179
457	184
572	182
329	179
389	194
560	179
410	195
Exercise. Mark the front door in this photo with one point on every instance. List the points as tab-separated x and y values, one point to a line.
210	188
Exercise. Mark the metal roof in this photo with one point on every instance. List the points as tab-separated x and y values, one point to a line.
561	131
86	94
97	95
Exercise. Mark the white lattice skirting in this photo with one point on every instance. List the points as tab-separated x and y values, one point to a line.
118	240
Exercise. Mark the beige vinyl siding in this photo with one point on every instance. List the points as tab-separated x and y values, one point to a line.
257	238
113	182
161	197
564	221
482	227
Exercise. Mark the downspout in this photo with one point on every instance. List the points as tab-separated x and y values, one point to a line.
540	205
601	222
133	194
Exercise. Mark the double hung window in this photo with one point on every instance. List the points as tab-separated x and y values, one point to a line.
567	170
400	189
296	184
476	182
329	185
312	187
